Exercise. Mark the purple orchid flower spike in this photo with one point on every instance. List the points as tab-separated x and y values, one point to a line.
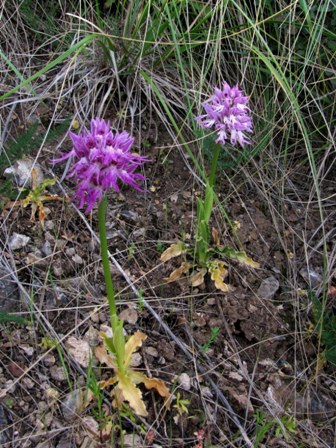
227	112
102	159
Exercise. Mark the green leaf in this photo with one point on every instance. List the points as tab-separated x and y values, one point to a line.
6	317
240	256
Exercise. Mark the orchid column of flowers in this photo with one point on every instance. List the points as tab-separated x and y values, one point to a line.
227	113
101	160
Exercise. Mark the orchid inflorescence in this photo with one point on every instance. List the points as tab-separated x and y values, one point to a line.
101	159
227	112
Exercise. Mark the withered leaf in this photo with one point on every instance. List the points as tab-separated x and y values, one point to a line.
173	251
197	279
218	273
177	273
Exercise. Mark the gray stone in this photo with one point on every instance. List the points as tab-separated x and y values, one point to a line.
18	241
268	288
9	292
313	278
72	405
129	216
21	172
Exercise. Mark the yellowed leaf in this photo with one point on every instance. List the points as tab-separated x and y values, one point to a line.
198	278
109	382
173	251
177	273
243	258
152	383
127	379
133	343
104	357
132	394
218	273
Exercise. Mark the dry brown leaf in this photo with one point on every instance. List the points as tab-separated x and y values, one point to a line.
197	279
215	236
104	357
173	251
177	273
133	343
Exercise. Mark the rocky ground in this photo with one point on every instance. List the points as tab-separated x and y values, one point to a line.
235	362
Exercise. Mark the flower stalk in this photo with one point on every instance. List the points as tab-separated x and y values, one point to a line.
102	159
106	264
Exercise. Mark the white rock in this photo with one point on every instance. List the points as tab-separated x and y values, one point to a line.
206	392
151	351
132	441
72	404
18	241
136	360
29	351
79	350
129	315
57	373
77	259
21	171
184	381
268	288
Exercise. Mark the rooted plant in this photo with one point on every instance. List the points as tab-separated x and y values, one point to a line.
102	159
228	114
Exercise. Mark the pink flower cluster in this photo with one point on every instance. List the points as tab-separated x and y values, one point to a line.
227	112
101	159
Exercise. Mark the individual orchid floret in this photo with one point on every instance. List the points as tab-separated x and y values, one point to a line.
101	160
228	114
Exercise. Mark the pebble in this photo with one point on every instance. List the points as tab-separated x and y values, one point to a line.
21	171
129	216
49	360
57	373
18	241
184	381
206	392
313	278
77	259
29	351
49	225
268	288
129	315
136	360
46	249
72	404
28	383
70	252
151	351
132	440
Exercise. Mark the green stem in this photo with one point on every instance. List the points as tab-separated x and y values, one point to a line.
214	163
106	263
204	210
